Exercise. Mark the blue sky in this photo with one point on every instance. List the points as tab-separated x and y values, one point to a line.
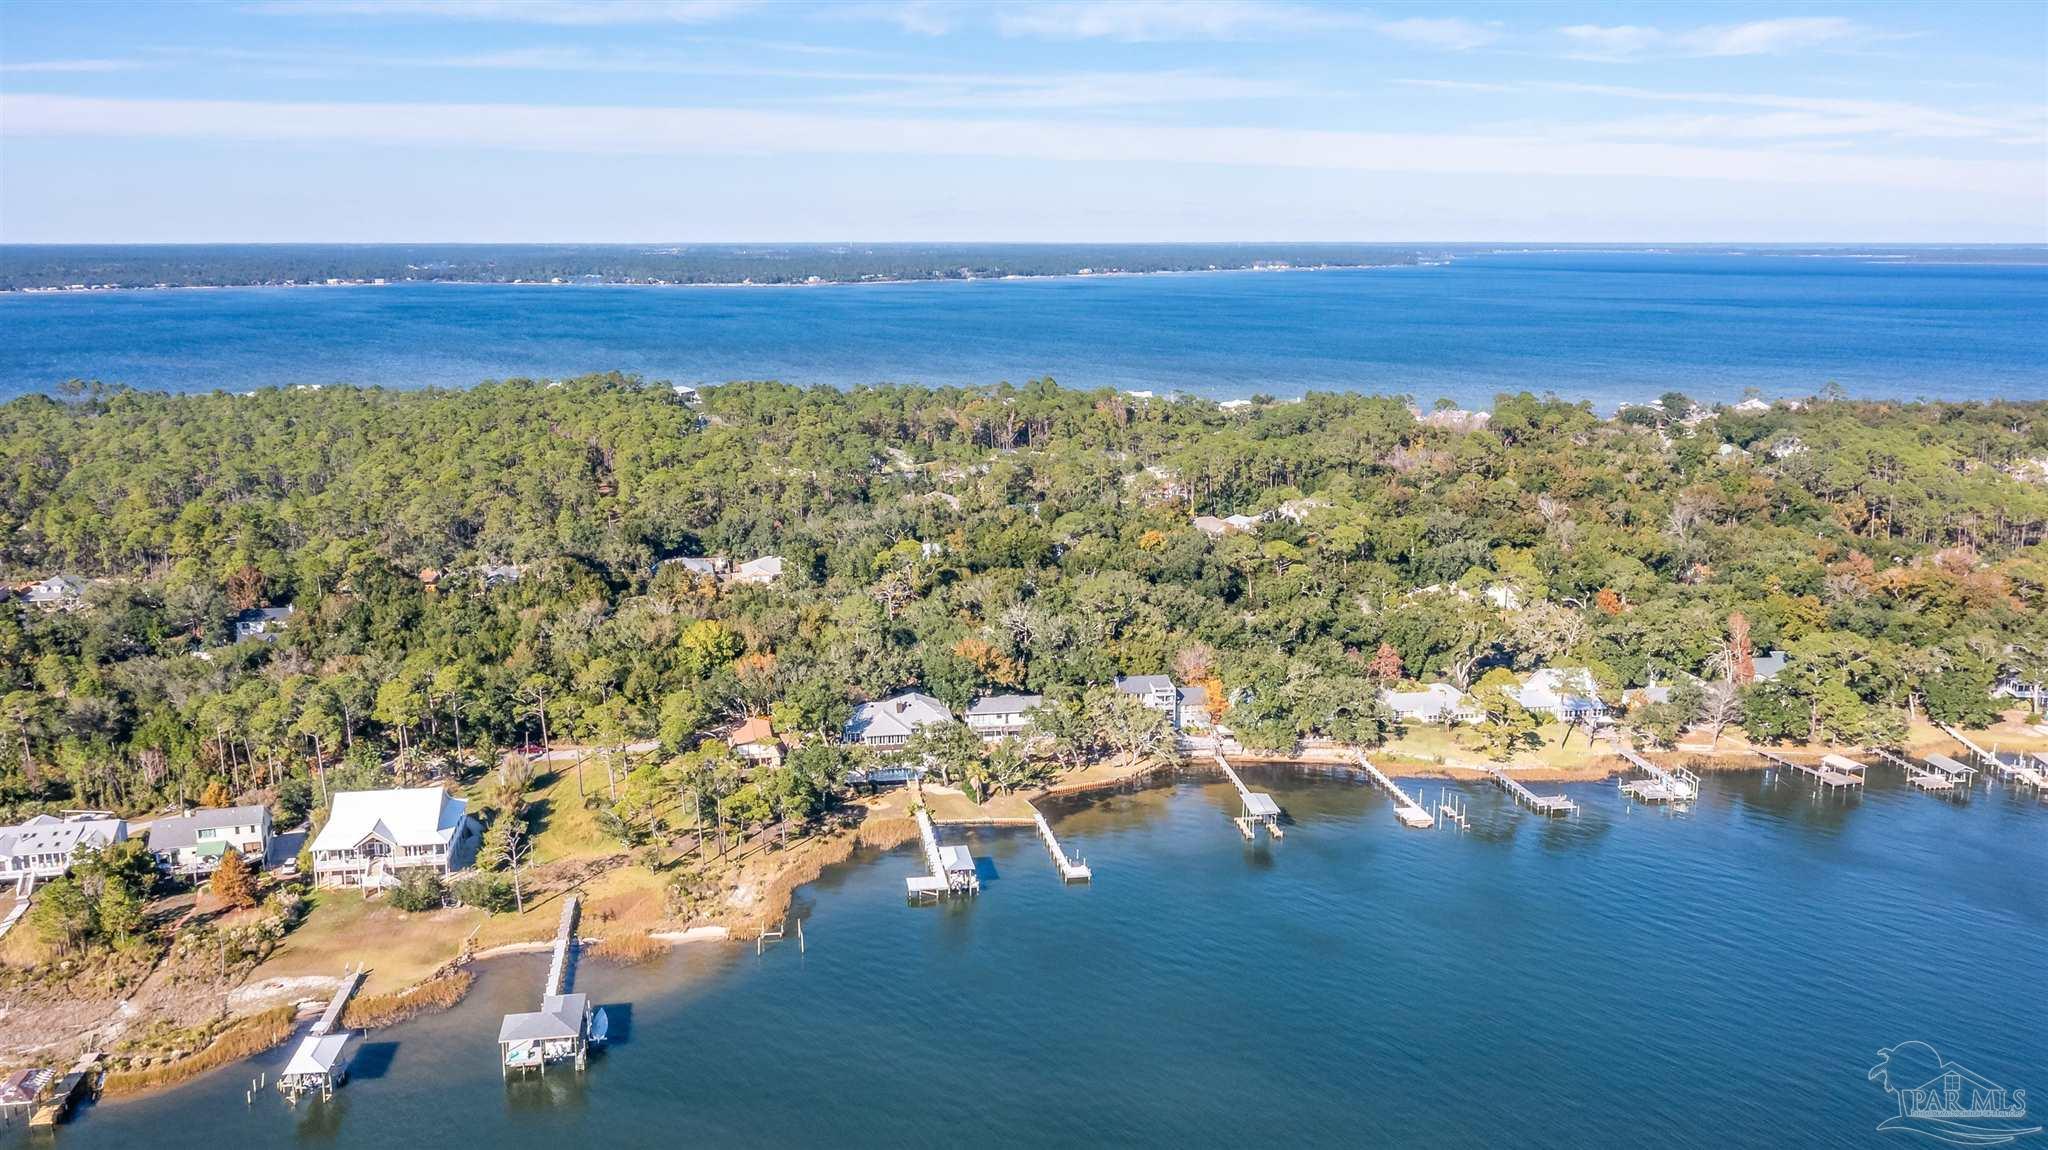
724	120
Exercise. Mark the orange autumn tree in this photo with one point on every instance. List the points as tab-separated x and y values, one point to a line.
233	883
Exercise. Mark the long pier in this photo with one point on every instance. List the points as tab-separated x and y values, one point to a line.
1917	774
951	869
2015	772
559	972
1832	771
1411	813
1550	806
81	1082
1663	786
1070	870
1259	808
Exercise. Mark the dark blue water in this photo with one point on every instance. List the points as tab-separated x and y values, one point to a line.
1722	978
1607	327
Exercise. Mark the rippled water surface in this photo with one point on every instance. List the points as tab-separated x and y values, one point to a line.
1724	977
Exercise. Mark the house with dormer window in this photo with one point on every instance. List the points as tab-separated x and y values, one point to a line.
372	837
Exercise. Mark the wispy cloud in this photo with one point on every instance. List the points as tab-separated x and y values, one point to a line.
1783	117
1449	33
78	66
749	132
1145	20
1755	38
555	12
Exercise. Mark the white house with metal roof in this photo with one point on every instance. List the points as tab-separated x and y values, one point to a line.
1002	716
1563	693
193	843
1435	703
890	722
371	837
42	848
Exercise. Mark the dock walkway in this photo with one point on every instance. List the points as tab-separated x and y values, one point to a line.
1663	786
2017	770
1833	771
1411	813
1259	808
82	1082
951	869
1550	806
1070	870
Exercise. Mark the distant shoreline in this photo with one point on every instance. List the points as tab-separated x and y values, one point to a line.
110	289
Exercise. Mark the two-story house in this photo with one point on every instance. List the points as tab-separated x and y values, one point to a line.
42	848
890	722
1002	716
371	837
193	843
1156	692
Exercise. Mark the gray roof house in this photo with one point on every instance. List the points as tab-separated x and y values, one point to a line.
193	843
997	716
42	847
262	622
1769	666
58	591
890	722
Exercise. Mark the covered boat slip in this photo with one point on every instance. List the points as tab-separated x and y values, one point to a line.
566	1027
321	1062
560	1030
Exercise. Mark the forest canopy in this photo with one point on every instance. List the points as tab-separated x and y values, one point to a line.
963	541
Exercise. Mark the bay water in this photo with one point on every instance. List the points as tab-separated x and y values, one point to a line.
1726	976
1607	327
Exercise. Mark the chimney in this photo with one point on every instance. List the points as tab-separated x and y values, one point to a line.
902	705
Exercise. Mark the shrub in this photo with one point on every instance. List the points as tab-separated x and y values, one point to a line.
486	892
419	889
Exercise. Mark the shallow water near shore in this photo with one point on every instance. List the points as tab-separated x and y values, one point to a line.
1725	976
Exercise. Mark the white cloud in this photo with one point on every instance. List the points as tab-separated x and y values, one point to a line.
1144	20
696	131
1755	38
555	12
1610	40
1450	34
1769	37
71	66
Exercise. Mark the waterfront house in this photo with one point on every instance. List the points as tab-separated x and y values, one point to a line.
1435	703
755	741
890	722
193	843
1001	716
261	623
1191	708
1566	694
371	837
1156	692
57	593
42	847
763	572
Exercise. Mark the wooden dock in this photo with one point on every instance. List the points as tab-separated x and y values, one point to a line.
82	1082
1834	772
2016	770
1411	813
1550	806
1070	870
1259	808
1663	786
950	870
566	1027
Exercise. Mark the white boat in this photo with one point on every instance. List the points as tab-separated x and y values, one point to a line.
600	1027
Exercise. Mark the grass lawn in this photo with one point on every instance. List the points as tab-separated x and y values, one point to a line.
1433	745
962	807
562	827
343	927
